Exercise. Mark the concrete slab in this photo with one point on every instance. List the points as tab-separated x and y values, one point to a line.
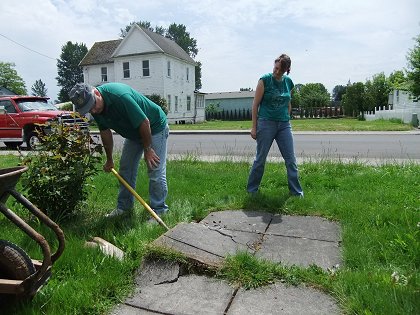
299	251
208	245
190	294
239	220
280	299
153	272
310	227
290	240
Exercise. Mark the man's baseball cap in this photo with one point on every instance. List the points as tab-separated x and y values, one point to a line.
82	97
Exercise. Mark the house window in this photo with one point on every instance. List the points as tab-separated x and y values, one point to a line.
104	74
126	70
169	102
169	68
188	103
146	68
188	74
176	103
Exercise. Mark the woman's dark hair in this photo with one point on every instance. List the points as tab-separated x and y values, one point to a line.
285	63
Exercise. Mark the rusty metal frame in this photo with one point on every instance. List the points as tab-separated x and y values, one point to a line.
31	284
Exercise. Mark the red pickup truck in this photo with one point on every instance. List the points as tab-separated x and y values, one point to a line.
22	116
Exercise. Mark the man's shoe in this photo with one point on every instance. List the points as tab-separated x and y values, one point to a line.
115	213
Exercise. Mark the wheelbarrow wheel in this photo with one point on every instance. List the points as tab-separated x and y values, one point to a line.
15	264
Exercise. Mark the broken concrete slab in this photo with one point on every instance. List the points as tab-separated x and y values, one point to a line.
310	227
299	251
239	220
281	299
290	240
190	294
208	245
154	272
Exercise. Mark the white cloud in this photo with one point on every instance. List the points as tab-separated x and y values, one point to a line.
329	41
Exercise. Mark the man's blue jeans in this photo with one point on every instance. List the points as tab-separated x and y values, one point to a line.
267	132
130	158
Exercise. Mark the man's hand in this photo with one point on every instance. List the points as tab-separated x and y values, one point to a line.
109	164
151	158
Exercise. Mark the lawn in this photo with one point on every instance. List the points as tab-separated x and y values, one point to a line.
377	207
323	124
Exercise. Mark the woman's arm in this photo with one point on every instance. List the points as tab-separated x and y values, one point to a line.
259	92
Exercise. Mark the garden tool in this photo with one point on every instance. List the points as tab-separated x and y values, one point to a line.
135	194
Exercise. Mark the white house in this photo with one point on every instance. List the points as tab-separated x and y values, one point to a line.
151	64
401	105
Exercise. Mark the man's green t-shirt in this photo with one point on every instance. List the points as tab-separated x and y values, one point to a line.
277	95
125	109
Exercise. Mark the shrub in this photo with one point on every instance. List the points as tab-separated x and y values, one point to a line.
57	177
159	100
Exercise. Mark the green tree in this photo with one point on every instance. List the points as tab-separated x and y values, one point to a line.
198	84
10	79
145	24
69	71
39	89
296	98
398	80
314	95
354	100
377	91
338	92
413	72
178	33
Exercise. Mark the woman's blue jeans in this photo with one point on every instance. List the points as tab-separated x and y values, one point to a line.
267	132
130	158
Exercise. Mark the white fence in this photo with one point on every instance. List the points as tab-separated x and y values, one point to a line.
401	106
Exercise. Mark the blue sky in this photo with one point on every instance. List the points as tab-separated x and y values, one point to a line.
329	41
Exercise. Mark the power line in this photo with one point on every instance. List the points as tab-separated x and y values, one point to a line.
27	47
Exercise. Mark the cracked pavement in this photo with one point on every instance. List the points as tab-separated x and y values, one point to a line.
166	288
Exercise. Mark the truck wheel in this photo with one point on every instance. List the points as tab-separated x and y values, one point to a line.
32	141
15	264
12	145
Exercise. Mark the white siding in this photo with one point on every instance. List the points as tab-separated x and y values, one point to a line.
136	41
93	76
137	47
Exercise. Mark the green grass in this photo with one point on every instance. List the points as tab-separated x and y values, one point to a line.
323	124
378	209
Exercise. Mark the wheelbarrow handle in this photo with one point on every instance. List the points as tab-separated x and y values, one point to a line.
135	194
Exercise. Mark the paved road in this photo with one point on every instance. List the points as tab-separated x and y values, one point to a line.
322	145
373	146
334	145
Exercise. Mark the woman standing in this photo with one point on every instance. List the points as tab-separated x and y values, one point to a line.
271	111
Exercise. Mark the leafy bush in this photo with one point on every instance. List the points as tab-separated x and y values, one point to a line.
159	100
66	106
58	173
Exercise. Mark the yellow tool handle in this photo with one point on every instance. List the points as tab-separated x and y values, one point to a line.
135	194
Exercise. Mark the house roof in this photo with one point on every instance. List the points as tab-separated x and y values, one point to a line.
224	95
168	46
102	52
